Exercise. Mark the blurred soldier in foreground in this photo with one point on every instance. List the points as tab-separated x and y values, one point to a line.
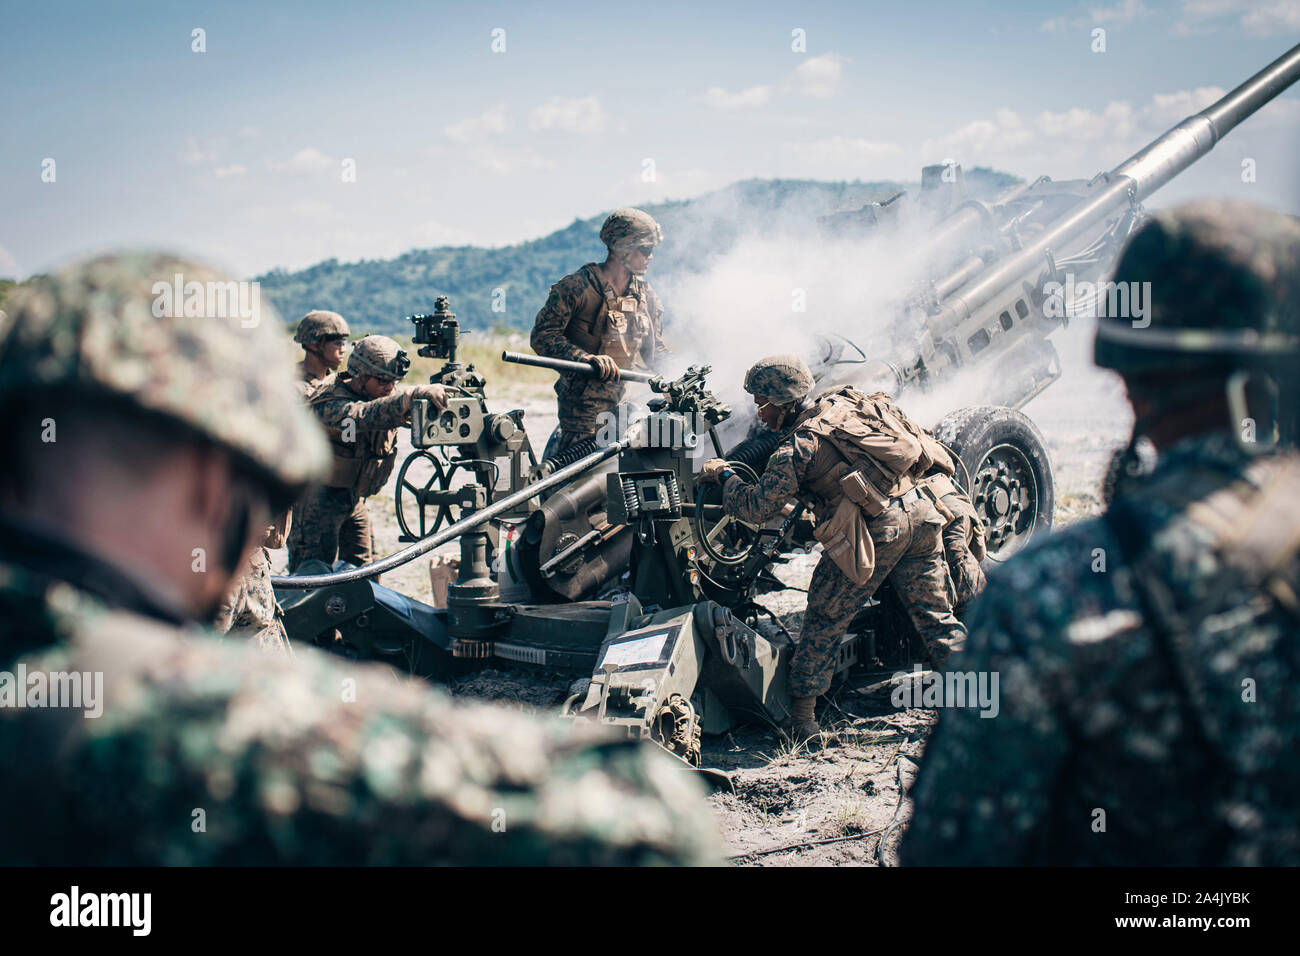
857	459
143	456
324	338
1150	659
606	315
362	409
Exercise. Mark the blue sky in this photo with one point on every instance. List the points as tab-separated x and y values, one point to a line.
237	153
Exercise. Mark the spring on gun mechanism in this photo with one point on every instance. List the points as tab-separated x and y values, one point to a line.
674	494
629	497
567	457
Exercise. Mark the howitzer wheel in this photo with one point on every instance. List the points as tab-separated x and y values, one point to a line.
727	540
421	475
1012	487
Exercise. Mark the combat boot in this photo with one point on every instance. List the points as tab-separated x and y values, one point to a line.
802	722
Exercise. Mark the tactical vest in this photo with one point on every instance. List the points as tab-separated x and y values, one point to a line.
363	465
617	326
867	449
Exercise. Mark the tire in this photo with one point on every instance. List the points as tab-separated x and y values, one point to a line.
1005	457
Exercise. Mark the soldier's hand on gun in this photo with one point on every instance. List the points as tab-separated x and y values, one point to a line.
712	470
605	367
436	394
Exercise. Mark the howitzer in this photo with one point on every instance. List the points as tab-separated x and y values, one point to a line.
1004	275
681	646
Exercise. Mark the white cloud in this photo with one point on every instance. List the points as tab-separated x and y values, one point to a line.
1125	11
570	115
228	172
840	155
247	132
1078	141
196	155
308	160
1275	17
720	99
819	76
476	129
505	160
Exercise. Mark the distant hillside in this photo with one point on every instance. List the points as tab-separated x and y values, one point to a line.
375	295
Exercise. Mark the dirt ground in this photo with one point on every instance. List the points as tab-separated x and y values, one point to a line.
844	805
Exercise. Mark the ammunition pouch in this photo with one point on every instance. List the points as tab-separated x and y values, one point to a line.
847	541
344	472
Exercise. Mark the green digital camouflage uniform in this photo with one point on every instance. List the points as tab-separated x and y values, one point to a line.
250	610
215	754
584	317
332	520
1093	712
1149	660
210	752
908	550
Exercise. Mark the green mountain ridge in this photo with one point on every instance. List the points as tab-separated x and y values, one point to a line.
376	295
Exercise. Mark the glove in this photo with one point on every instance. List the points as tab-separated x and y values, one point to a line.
605	366
436	394
712	470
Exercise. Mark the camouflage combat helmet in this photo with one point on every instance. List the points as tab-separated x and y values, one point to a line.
1224	292
781	378
318	325
172	338
380	357
630	227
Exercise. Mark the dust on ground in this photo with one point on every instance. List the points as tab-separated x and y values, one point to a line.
786	805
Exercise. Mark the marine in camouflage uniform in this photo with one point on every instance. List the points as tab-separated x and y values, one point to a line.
905	535
963	538
209	752
251	610
608	316
323	336
1149	660
361	418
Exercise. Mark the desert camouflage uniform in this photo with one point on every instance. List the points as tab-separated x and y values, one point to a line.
354	536
333	520
963	539
584	317
908	550
214	754
1096	715
250	610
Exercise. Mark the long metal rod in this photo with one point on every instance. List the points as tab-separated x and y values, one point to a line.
576	368
308	582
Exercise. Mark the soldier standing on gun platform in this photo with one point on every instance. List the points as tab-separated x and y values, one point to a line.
1149	659
143	457
361	409
607	316
857	458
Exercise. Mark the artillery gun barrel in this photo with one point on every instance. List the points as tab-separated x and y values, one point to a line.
1127	184
564	365
308	582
